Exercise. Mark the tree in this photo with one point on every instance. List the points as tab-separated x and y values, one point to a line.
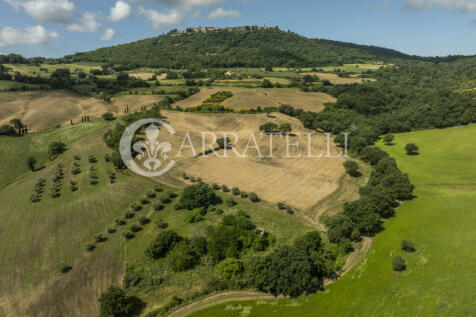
285	128
182	257
310	242
114	302
230	268
411	149
253	197
31	161
399	264
108	116
162	244
352	168
408	246
268	127
199	195
266	83
223	142
7	130
388	139
339	227
55	149
17	124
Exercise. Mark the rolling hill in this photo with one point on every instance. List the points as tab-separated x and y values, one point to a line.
254	47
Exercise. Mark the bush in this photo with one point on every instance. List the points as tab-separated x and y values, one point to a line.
111	230
119	222
235	191
127	235
160	224
136	207
165	199
129	215
411	149
108	116
352	168
150	194
92	159
281	206
289	210
399	264
215	186
225	189
55	149
230	268
158	206
99	238
135	228
115	303
90	247
143	220
388	139
182	257
219	211
162	244
144	201
171	194
158	189
63	268
244	195
230	202
199	195
408	246
253	197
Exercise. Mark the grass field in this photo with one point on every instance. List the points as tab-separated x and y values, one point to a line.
440	221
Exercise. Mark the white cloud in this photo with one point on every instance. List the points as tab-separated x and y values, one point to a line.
160	20
184	4
29	35
108	35
120	11
87	23
46	11
455	5
222	13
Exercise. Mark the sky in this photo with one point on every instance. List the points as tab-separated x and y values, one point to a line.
54	28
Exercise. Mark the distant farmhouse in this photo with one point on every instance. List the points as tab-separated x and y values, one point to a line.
207	29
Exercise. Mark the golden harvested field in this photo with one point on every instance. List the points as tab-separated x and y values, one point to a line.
309	101
46	109
244	98
336	80
198	98
299	182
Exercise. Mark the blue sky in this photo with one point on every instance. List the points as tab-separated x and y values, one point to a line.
53	28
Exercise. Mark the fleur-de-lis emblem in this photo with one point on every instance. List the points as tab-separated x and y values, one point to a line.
151	148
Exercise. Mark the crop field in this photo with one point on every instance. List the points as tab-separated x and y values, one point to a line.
32	70
308	101
336	80
440	220
277	179
47	109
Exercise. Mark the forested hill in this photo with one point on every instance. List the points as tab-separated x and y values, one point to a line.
223	48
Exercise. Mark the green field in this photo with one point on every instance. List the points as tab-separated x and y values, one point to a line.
441	221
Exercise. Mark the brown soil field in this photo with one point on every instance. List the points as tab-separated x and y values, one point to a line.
300	182
46	109
336	80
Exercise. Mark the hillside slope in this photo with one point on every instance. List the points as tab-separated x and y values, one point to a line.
251	48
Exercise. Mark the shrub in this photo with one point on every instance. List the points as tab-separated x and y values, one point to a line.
253	197
143	220
31	162
150	194
144	201
160	224
411	149
219	211
165	199
162	244
55	149
215	186
230	268
129	215
115	303
199	195
63	268
127	235
90	247
230	202
34	198
388	139
399	264
77	157
185	176
119	222
352	168
99	238
111	230
235	191
136	207
408	246
289	210
108	116
135	228
92	159
158	189
158	206
281	206
244	195
194	216
225	189
182	257
171	194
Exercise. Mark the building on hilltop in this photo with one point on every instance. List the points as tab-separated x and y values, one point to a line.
206	29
